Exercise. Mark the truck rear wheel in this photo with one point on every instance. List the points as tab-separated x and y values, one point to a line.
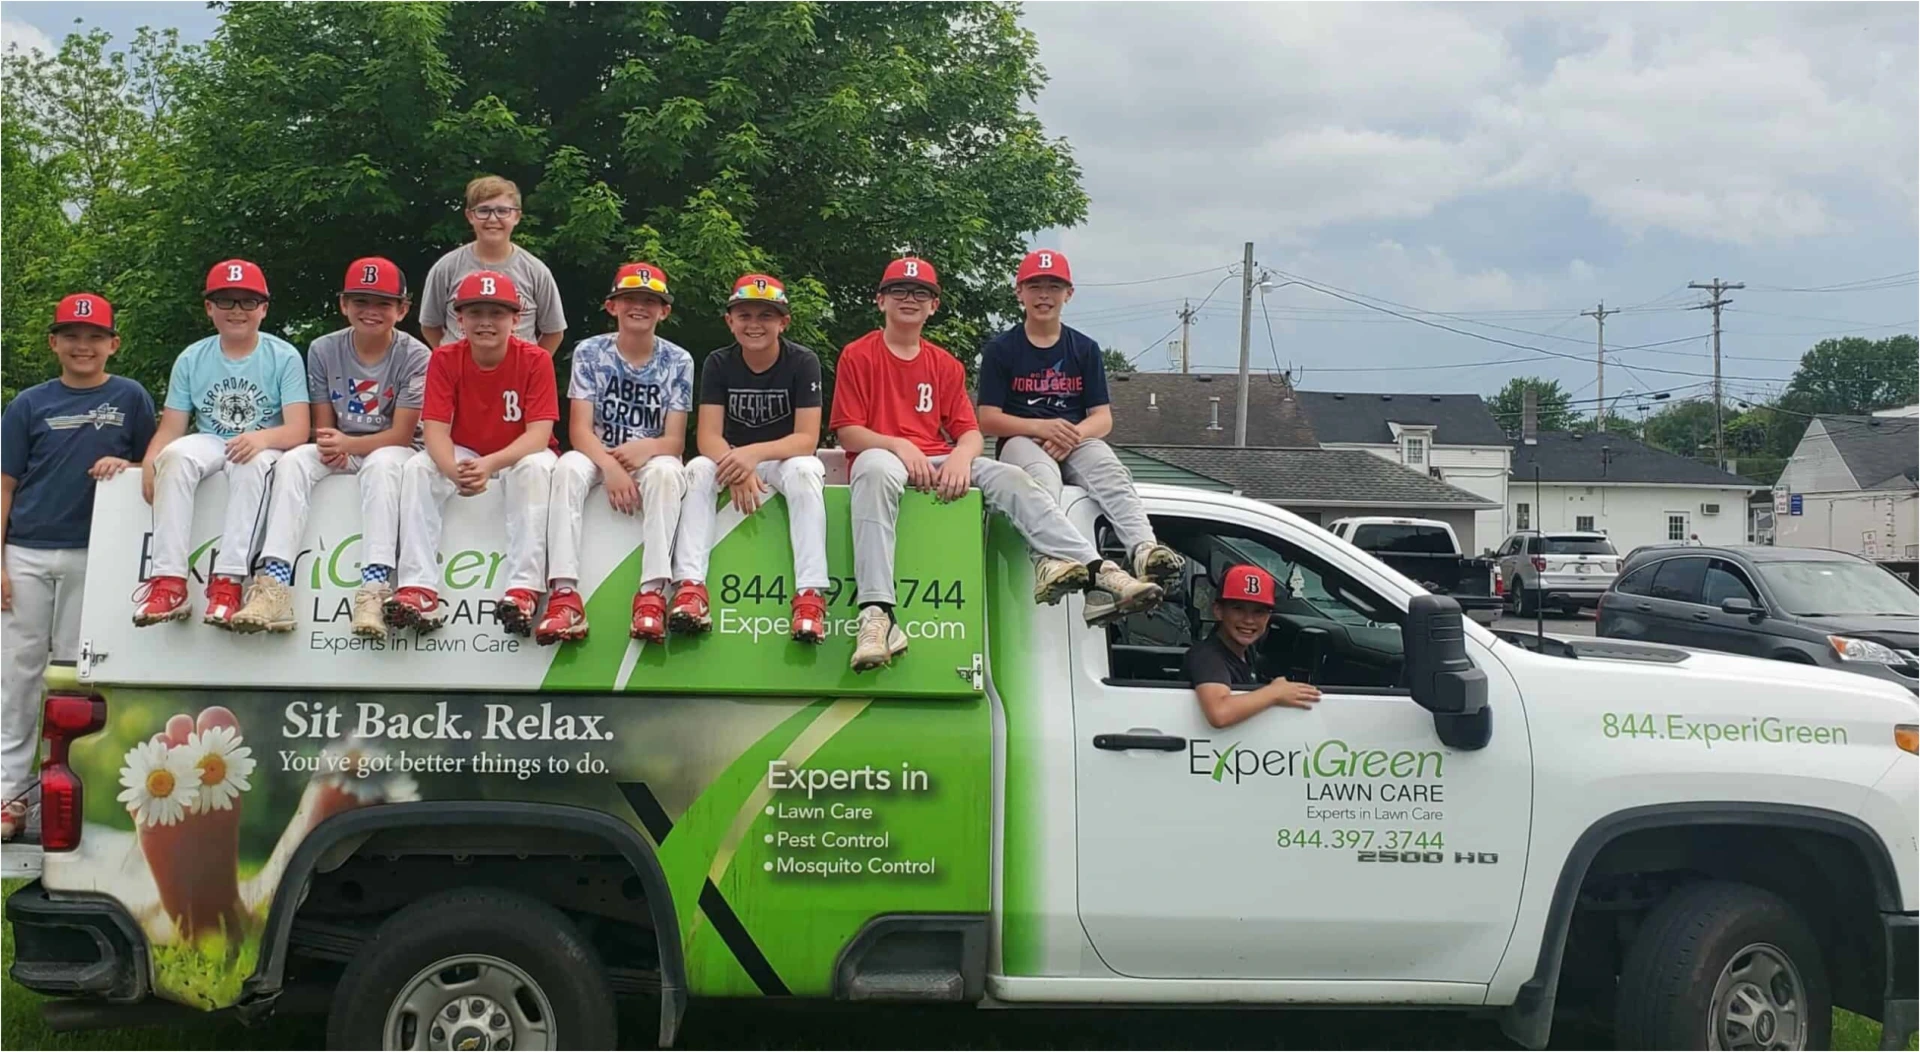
474	968
1724	966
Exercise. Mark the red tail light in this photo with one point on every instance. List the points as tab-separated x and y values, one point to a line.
1540	563
1499	584
62	797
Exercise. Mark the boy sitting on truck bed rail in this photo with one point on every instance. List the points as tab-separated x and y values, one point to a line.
1230	657
759	425
56	440
1043	394
366	384
630	392
900	409
490	409
244	392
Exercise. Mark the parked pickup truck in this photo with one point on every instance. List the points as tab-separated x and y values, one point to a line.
464	840
1428	551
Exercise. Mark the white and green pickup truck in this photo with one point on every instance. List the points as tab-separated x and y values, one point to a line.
466	841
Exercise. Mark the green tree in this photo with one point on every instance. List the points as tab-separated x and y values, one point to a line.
1555	409
1115	361
1620	425
1684	427
1855	375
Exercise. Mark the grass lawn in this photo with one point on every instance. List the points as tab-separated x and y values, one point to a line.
711	1025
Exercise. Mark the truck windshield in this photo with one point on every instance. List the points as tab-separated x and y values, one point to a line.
1403	539
1823	589
1579	546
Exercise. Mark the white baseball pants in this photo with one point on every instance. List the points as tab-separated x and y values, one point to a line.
43	624
177	474
293	482
423	498
1094	467
801	480
663	484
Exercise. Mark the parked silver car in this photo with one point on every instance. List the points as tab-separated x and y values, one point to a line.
1568	570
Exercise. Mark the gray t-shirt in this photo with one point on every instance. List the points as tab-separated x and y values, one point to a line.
363	396
540	310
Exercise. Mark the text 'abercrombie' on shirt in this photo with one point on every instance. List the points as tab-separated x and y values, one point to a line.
231	396
631	401
364	396
760	406
1060	382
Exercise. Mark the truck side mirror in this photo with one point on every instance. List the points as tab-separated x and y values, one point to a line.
1442	678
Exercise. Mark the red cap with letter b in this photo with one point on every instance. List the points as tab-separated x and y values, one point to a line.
1044	263
374	276
1247	583
760	288
640	277
237	275
911	271
486	286
83	308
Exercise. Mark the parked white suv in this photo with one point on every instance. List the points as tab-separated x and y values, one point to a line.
1568	570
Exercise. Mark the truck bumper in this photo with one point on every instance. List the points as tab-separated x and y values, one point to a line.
1900	1012
76	947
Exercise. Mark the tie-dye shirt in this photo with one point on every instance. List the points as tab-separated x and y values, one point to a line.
631	402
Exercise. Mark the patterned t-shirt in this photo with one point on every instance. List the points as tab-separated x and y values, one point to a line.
231	396
631	402
364	396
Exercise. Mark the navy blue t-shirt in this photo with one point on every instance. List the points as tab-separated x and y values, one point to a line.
1060	382
51	434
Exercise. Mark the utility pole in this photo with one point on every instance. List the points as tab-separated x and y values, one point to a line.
1186	341
1717	287
1246	334
1599	314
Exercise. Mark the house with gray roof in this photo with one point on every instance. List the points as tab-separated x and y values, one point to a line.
1630	491
1854	481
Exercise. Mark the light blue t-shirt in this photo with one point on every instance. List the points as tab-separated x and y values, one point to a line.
630	403
231	396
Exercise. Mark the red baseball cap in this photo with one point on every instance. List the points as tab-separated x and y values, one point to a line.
1247	583
641	277
760	288
486	286
237	275
374	276
1044	263
83	308
911	271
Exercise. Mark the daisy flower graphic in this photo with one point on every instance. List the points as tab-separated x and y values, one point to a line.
161	783
401	789
224	765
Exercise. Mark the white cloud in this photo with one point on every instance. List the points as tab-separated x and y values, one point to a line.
28	38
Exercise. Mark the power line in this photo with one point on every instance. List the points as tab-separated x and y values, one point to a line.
1884	281
1176	325
1271	344
1148	281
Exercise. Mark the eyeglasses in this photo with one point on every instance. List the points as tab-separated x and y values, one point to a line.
916	293
494	212
236	303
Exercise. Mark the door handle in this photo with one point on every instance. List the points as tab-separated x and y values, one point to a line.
1702	615
1643	606
1150	741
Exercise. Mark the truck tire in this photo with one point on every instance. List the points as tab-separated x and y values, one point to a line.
1720	965
474	967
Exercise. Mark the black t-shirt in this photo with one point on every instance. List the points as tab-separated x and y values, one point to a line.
760	406
1060	382
1212	662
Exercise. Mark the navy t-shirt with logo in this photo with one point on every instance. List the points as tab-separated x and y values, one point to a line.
50	436
1060	382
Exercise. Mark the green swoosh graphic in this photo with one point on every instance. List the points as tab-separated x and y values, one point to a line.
1220	765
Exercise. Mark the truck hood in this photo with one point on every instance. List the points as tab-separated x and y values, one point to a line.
1817	686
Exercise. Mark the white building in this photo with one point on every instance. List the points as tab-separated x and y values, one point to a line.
1853	479
1453	438
1630	491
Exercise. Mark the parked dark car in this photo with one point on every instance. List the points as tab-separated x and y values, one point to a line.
1807	605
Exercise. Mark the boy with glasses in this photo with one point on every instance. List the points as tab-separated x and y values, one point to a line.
900	409
246	395
759	426
57	439
1043	394
493	208
631	392
366	384
489	412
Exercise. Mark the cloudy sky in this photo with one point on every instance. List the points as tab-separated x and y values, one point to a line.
1491	168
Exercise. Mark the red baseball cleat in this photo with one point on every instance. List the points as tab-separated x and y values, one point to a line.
690	609
649	618
564	620
223	601
160	599
416	608
515	610
809	617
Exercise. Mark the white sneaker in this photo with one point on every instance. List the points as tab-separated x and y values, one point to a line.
1157	563
1101	608
1130	594
879	642
1054	579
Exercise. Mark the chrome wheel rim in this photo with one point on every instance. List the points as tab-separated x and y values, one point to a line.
1759	1002
471	1002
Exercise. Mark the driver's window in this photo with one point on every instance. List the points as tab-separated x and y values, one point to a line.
1325	628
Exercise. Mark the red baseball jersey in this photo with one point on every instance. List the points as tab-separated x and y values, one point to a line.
924	400
491	408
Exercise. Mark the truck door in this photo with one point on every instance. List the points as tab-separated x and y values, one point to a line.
1343	842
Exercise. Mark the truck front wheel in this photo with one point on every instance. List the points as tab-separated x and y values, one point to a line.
474	968
1724	966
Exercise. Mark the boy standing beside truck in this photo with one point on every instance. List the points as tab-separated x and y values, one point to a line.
493	209
631	392
56	439
489	411
243	391
1043	394
366	384
900	409
758	428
